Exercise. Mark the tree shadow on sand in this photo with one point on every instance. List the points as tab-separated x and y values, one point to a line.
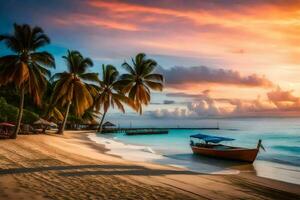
135	172
83	170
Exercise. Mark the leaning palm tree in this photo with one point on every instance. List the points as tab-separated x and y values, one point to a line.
109	95
140	80
26	68
71	87
50	111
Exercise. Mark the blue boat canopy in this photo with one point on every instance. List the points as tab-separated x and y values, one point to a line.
212	139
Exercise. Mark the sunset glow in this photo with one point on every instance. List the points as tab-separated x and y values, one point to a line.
224	58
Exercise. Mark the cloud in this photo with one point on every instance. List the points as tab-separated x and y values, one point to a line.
175	28
195	75
255	107
197	11
183	94
90	20
174	113
284	100
239	51
205	106
207	103
279	95
278	102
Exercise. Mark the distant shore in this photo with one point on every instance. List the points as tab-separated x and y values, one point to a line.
74	167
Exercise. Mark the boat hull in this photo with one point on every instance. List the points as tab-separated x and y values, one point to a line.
238	154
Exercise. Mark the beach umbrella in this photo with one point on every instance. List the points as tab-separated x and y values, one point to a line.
52	124
6	124
108	124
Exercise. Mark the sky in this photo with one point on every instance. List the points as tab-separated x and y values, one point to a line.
228	58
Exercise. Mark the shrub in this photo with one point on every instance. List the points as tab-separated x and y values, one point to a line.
10	113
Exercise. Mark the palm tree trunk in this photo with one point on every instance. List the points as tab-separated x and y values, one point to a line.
63	125
20	115
101	122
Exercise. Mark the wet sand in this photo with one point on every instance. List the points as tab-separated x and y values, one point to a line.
74	167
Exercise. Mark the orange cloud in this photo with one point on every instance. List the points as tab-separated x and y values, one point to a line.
277	103
247	16
284	100
242	38
266	32
90	20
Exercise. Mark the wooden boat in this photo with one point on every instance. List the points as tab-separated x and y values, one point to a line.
211	147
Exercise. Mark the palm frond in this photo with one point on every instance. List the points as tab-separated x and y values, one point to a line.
154	77
93	77
148	67
11	43
128	68
82	98
44	71
76	63
43	58
58	76
8	60
154	85
63	89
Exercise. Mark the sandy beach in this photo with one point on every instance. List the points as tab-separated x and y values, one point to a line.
74	167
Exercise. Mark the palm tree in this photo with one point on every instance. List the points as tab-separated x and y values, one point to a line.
26	68
90	116
109	94
140	79
71	87
50	111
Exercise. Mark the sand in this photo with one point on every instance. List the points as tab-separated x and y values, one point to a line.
74	167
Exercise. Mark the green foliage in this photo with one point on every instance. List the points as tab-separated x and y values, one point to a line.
9	113
73	119
11	95
29	117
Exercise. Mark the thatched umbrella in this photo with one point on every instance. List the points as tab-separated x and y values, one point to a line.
43	123
108	124
5	129
52	124
5	124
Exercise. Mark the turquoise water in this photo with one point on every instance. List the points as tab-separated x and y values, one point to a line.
280	137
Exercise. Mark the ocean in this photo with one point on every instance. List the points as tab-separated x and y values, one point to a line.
280	137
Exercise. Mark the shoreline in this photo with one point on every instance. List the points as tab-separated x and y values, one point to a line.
261	168
138	153
72	166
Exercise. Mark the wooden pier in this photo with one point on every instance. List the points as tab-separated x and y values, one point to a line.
124	130
147	132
